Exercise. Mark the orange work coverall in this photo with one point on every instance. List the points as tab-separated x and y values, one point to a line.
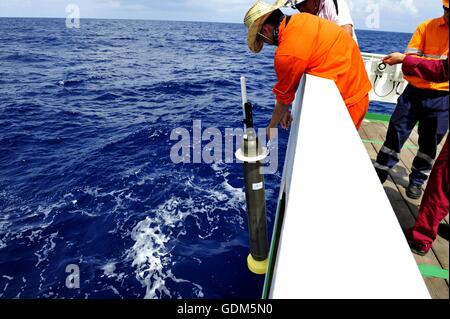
430	41
321	48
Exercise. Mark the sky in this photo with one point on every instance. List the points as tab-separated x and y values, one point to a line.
383	15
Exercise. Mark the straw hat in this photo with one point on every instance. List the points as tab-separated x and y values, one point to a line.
445	3
254	20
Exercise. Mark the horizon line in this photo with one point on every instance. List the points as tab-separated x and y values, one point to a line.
193	21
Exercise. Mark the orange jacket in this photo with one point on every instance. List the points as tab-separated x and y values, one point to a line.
430	41
322	48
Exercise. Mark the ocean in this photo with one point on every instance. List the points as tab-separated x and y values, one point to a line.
87	184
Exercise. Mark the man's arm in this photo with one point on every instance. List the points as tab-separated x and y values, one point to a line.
344	19
348	28
289	70
429	70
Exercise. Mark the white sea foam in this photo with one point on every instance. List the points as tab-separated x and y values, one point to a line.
46	210
44	213
157	234
49	245
156	133
109	269
114	290
151	253
219	166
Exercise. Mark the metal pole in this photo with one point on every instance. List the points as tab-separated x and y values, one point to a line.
251	154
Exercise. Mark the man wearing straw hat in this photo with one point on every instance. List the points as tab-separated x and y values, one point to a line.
307	43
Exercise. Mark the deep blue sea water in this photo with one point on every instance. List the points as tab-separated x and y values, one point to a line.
85	174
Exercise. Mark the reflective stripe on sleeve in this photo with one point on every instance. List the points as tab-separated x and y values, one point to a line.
414	51
432	56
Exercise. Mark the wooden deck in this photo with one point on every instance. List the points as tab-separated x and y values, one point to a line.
373	134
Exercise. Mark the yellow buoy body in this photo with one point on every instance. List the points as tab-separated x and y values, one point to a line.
257	267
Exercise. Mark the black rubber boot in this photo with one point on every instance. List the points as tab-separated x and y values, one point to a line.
417	249
414	191
443	230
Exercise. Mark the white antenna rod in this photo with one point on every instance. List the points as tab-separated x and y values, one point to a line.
244	90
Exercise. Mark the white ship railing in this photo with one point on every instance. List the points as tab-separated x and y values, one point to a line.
336	234
387	81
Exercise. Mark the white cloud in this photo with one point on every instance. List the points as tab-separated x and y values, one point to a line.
114	3
358	7
395	15
410	6
220	6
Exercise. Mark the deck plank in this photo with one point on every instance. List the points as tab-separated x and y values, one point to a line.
413	143
440	245
404	207
404	217
401	171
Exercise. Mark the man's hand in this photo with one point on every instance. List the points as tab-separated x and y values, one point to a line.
286	120
277	116
394	58
269	133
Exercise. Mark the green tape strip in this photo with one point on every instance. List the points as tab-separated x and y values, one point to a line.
377	117
433	271
381	143
381	118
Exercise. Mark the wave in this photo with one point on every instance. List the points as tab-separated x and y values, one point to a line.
124	39
136	137
223	83
181	88
71	83
28	57
202	40
108	96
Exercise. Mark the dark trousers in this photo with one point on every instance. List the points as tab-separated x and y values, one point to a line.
430	109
